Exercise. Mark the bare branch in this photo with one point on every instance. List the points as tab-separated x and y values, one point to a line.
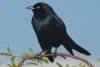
58	54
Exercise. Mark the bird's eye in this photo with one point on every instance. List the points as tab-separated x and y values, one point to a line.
38	7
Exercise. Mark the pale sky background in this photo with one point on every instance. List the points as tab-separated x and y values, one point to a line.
81	17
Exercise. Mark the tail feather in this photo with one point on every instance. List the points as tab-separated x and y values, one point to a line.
80	49
72	45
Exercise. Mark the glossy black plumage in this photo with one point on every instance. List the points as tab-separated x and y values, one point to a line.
51	31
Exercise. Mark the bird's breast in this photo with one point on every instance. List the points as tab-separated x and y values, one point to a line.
42	24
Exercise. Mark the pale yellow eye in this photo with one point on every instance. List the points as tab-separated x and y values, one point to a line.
38	7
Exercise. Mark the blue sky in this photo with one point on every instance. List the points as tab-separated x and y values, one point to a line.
81	17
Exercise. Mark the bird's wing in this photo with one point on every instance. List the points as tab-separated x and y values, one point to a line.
58	23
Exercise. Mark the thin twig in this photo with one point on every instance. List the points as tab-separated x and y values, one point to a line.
58	54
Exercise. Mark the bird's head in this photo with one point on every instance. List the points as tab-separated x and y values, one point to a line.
41	9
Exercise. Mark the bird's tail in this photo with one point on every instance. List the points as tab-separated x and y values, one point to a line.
51	58
70	44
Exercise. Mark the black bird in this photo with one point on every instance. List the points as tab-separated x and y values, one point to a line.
51	31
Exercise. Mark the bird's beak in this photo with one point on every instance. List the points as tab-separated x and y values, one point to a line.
30	7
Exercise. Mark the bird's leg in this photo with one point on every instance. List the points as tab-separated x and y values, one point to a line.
41	52
55	52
